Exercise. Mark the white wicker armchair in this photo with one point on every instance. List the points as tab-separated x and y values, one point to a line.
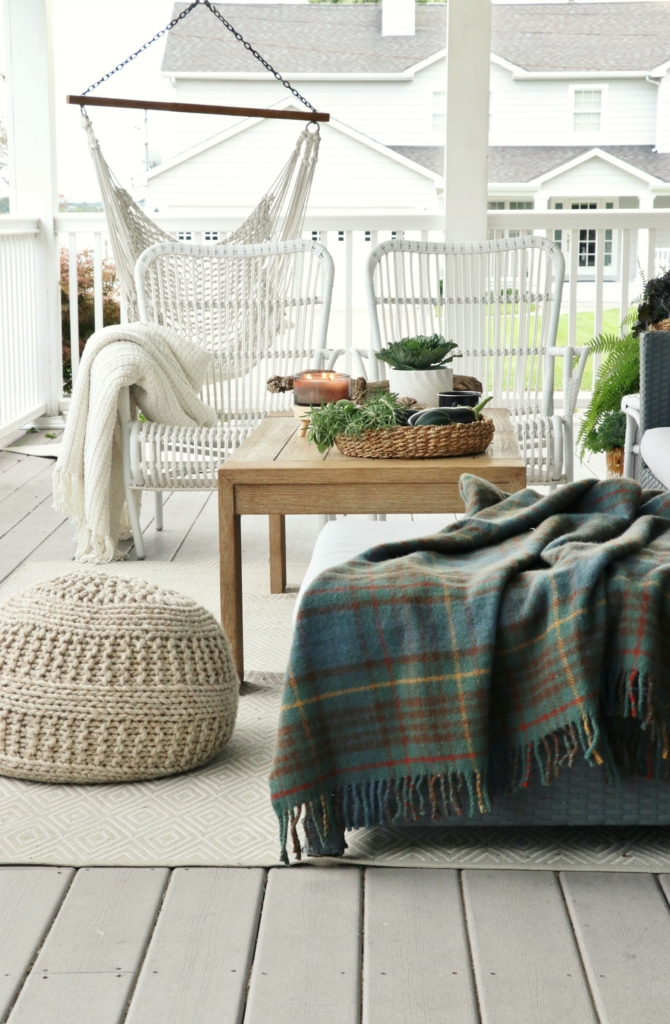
260	310
500	301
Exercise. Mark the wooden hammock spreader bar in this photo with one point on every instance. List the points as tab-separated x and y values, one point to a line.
196	108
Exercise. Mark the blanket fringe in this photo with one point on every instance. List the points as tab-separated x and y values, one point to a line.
395	801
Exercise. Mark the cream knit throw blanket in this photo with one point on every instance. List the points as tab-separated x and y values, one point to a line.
164	373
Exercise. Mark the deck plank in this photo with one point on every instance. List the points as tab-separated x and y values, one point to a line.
8	460
202	540
180	512
29	900
86	969
308	957
26	536
416	957
197	966
25	498
526	962
622	924
16	476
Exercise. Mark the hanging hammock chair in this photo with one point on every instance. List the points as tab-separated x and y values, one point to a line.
279	215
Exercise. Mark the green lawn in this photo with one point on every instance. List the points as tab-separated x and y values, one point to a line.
611	322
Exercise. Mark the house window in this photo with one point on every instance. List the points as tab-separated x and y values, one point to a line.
210	236
184	236
367	236
587	238
439	113
514	205
316	236
340	236
587	110
496	205
558	234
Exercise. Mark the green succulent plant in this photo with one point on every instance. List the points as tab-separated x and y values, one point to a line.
420	353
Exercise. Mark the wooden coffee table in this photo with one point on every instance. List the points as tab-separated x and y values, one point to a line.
275	472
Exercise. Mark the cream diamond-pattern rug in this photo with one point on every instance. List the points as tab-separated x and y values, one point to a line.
220	815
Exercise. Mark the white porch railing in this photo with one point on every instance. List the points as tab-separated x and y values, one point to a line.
22	378
602	250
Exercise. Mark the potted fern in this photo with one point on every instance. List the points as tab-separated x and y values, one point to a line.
419	367
619	374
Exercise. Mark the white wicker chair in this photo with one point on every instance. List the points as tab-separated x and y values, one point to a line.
500	301
261	310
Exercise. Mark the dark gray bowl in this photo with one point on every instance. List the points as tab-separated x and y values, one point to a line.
447	399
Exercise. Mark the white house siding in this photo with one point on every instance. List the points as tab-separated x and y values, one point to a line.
392	112
231	176
539	112
595	177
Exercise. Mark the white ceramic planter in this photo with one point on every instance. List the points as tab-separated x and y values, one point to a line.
423	385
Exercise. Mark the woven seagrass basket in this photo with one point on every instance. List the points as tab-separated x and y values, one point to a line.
434	442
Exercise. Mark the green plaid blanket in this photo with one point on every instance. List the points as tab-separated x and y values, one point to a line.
427	675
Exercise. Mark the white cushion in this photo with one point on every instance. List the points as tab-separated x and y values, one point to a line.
345	538
655	450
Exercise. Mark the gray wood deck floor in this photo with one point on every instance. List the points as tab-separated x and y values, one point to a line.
332	945
309	945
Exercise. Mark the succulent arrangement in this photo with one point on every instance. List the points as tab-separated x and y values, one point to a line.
420	353
381	411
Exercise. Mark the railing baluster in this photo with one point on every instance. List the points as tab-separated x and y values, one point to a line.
348	296
97	281
73	289
625	276
574	273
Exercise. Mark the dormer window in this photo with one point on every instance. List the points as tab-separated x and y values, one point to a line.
587	110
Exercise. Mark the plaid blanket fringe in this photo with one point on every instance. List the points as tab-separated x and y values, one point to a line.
393	801
534	631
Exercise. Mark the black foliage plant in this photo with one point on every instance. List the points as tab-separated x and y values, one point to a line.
655	304
420	353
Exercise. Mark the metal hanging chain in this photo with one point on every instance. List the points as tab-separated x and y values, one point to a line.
226	24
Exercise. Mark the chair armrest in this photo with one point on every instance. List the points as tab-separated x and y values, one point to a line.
630	404
572	377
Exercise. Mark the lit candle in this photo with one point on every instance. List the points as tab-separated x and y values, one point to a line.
312	387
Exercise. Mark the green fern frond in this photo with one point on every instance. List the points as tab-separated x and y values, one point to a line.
619	375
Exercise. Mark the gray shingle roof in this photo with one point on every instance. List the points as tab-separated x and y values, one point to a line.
583	36
341	38
525	163
336	38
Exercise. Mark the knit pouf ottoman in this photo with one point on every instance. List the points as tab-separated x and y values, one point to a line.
110	679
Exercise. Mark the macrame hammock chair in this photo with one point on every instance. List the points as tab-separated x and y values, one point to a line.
279	215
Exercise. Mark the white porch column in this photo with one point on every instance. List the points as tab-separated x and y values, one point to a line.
467	141
32	164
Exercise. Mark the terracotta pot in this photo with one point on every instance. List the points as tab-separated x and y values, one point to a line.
614	462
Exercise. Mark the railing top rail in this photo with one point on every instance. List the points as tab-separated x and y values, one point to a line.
388	221
18	225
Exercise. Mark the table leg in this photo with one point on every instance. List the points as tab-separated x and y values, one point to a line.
277	554
230	568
